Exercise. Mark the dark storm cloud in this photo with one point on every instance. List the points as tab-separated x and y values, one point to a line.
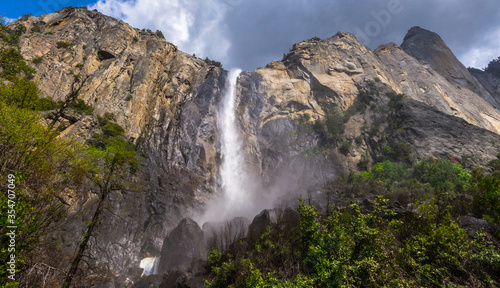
251	33
260	32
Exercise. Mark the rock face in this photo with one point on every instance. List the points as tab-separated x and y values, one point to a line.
428	48
183	247
490	82
168	103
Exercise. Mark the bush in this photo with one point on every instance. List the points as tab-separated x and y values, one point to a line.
159	34
63	44
37	60
36	29
212	62
13	65
345	147
373	247
79	106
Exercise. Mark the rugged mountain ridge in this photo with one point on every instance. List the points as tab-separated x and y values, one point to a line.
428	48
168	102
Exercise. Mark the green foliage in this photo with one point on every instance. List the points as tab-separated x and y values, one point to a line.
305	118
159	34
13	65
398	152
63	44
361	102
79	106
45	104
212	62
395	101
442	175
22	93
12	37
25	17
345	147
332	127
350	248
79	66
37	60
43	166
486	192
36	29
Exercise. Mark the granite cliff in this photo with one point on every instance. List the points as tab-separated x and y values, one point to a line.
168	102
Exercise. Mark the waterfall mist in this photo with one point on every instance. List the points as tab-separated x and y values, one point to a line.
238	189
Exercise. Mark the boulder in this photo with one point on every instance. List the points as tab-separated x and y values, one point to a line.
183	247
472	224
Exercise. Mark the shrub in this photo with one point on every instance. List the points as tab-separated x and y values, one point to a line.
37	60
79	106
159	34
345	147
63	44
36	29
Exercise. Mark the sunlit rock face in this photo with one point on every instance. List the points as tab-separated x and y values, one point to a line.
169	104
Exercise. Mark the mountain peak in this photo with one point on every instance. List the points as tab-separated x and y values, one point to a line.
429	48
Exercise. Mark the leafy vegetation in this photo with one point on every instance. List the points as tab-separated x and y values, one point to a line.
159	34
44	165
380	245
63	44
212	62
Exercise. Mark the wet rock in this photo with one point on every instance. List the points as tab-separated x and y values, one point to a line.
286	218
183	247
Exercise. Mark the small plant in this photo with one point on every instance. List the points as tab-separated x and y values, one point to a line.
211	62
136	39
358	140
79	65
84	47
345	147
25	16
37	60
79	106
36	29
63	44
78	77
49	33
129	97
377	80
160	34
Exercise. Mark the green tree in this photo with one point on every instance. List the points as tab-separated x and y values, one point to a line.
111	163
42	165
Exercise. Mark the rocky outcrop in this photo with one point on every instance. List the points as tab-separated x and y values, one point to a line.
428	48
422	83
286	218
490	82
183	247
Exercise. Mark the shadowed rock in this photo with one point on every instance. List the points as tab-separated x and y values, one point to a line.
183	247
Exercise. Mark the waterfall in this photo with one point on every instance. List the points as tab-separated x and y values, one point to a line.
235	195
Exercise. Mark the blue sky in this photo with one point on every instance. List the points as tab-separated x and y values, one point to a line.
251	33
13	9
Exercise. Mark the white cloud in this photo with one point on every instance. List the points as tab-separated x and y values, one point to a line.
195	26
485	51
9	20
